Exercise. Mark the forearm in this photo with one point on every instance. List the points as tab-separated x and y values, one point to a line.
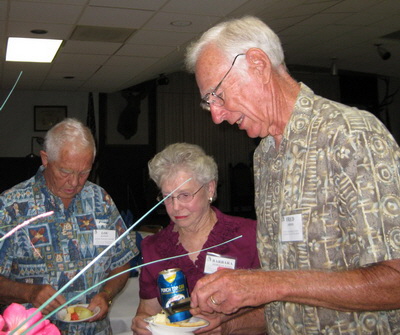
250	322
371	288
11	291
113	286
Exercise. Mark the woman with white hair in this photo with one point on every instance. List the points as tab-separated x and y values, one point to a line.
192	176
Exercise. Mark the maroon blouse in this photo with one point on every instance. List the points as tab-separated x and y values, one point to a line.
165	244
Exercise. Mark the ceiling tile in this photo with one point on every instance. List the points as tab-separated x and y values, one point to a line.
3	10
162	21
74	68
130	63
44	12
132	4
144	50
88	47
23	29
114	17
203	7
66	58
158	37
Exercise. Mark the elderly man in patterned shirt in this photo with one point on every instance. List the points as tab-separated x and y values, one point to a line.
45	255
327	192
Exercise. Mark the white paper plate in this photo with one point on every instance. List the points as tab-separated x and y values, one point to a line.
157	329
61	314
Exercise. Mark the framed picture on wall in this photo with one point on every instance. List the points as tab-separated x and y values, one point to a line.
46	117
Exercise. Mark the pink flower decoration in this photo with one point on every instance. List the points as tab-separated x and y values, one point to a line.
15	314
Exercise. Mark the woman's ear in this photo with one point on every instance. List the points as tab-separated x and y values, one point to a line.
259	63
212	185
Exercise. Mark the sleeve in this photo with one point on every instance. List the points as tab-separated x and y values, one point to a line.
6	244
148	288
366	164
125	249
252	245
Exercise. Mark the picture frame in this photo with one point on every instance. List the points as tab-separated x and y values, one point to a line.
46	117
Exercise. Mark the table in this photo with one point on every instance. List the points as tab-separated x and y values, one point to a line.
124	307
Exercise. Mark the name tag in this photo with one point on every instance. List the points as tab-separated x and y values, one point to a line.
292	228
103	236
214	262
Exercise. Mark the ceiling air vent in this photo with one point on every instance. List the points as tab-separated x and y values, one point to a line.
101	34
393	36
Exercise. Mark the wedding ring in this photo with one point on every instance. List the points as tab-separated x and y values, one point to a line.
213	301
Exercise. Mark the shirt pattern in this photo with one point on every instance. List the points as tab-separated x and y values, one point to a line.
52	250
338	167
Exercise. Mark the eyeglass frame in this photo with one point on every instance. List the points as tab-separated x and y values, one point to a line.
169	198
205	100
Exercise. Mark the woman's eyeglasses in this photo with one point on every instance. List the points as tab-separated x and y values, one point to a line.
182	197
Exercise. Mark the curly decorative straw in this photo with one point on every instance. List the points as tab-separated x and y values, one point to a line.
25	223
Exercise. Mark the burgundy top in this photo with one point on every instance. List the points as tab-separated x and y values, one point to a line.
165	244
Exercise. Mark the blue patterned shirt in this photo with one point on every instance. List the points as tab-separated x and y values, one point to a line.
52	250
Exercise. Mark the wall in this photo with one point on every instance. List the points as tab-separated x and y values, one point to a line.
17	116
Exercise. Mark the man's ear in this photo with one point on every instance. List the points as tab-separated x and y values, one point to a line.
44	158
259	63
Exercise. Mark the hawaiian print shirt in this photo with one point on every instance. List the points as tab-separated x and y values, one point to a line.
52	250
337	168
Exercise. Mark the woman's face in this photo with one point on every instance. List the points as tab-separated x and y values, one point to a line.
187	214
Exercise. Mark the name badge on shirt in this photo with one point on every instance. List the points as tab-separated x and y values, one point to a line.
103	236
292	228
214	262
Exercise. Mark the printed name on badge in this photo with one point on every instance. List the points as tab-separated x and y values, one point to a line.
103	236
292	228
214	262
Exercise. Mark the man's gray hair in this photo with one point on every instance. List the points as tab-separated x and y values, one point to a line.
69	131
237	36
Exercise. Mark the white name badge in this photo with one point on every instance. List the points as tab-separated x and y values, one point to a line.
103	236
292	228
214	262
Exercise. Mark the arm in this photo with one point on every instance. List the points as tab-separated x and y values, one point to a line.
244	321
364	289
111	288
147	307
11	291
251	322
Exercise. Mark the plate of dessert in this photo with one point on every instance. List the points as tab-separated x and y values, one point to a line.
77	313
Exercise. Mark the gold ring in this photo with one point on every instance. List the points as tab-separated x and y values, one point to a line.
213	301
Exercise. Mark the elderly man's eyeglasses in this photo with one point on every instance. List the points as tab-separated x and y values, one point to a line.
182	197
212	98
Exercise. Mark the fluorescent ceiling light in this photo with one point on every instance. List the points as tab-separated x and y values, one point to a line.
37	50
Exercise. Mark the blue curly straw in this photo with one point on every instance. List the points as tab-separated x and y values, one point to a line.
15	84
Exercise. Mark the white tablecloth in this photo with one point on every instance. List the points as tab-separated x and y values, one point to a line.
124	307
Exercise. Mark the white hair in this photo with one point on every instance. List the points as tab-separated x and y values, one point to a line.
69	131
183	157
237	36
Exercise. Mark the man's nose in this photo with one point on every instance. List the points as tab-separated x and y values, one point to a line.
74	179
217	114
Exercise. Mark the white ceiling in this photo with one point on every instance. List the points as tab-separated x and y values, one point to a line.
312	32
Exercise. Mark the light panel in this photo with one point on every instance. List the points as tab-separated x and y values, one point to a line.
37	50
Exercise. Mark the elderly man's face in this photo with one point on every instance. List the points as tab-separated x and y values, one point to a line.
242	97
66	176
